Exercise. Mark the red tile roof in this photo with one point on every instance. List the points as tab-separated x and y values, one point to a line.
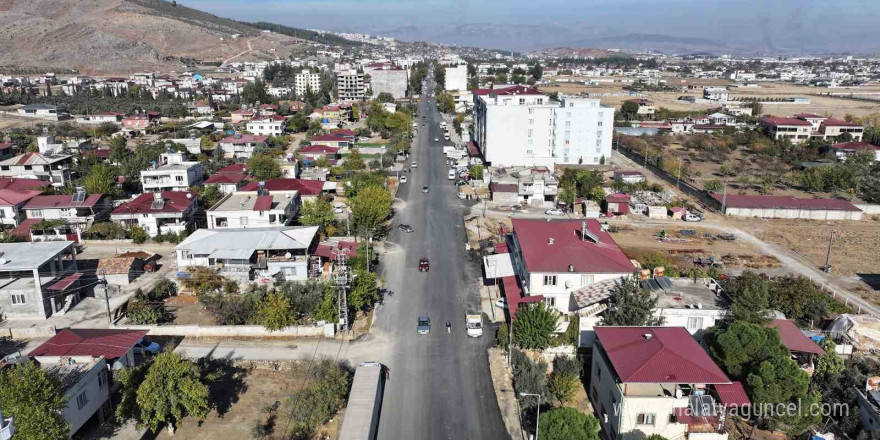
5	145
236	168
793	338
668	355
472	149
325	250
568	249
12	197
263	203
226	178
784	202
62	202
244	139
66	282
329	138
513	293
776	121
319	149
305	187
732	394
175	201
854	146
809	116
18	183
344	132
839	123
503	188
112	344
617	198
516	90
24	228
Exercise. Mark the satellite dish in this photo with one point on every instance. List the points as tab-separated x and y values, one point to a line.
3	261
287	255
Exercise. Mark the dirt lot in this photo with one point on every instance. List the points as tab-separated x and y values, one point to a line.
188	311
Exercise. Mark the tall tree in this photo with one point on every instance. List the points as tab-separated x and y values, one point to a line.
568	424
317	213
371	207
172	390
630	304
34	398
100	180
275	312
263	167
533	325
751	297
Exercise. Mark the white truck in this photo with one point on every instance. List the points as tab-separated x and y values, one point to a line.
474	326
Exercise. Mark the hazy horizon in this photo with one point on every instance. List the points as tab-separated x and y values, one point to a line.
795	26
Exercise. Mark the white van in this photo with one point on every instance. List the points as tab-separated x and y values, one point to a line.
443	124
452	174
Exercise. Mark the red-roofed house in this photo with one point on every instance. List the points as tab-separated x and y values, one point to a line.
242	115
158	213
315	152
308	190
53	169
331	140
845	149
795	130
616	204
350	134
79	210
830	129
242	209
11	202
15	183
787	207
241	145
227	182
555	258
117	346
658	380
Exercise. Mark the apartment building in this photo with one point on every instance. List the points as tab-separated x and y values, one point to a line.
245	209
11	202
241	145
174	174
350	86
390	79
658	380
46	167
78	210
267	126
456	78
32	275
519	126
158	213
305	81
793	129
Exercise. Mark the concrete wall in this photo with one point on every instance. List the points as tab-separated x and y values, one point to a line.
227	330
28	332
869	209
813	214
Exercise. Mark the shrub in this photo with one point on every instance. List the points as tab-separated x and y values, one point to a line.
105	231
502	337
138	234
534	325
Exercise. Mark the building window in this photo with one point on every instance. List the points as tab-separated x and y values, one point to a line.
81	400
186	255
530	132
531	111
550	301
568	123
695	323
531	122
549	280
586	279
645	418
102	379
540	101
37	213
179	178
600	123
18	298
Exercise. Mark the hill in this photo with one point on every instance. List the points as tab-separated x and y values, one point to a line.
123	36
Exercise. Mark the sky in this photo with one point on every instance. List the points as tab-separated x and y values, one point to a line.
771	26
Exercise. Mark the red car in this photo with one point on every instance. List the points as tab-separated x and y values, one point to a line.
423	265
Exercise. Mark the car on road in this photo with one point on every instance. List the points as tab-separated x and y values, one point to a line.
423	327
692	218
339	209
424	124
405	228
501	303
423	265
460	182
415	164
436	139
145	346
402	179
425	189
516	208
554	211
462	195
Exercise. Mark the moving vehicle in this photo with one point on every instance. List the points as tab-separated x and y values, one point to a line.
443	124
692	218
145	346
436	139
554	211
364	403
402	179
446	137
452	174
423	327
405	228
474	326
415	164
423	265
424	189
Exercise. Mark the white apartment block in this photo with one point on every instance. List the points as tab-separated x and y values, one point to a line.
306	80
456	77
268	126
242	209
174	174
519	126
389	79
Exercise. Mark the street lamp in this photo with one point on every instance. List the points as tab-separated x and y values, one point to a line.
538	418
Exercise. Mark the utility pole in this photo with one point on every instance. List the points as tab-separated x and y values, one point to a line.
678	178
103	282
341	279
724	198
828	255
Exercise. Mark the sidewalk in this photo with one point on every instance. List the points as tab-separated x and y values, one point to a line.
502	379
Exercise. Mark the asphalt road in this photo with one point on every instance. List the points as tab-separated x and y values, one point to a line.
439	385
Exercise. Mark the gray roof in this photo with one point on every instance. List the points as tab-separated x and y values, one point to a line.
236	243
39	107
26	255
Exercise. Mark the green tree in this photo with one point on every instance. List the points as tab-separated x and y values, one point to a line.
751	298
130	379
318	213
385	97
35	399
208	195
100	180
476	172
740	347
568	424
364	290
713	185
630	109
255	92
564	386
370	208
502	336
275	312
829	363
263	167
354	161
533	326
324	394
630	304
792	294
172	390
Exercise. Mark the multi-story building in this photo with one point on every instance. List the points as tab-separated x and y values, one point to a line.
255	254
716	93
54	169
241	145
795	130
86	385
519	126
174	174
245	209
646	106
11	202
658	380
350	85
267	126
32	275
78	210
389	78
305	81
456	78
158	213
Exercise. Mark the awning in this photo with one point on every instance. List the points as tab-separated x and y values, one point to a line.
498	265
232	254
514	295
732	395
66	282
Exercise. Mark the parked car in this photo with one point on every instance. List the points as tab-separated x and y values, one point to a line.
423	327
339	209
515	208
424	189
415	164
501	303
405	228
692	218
423	265
554	211
146	347
462	195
